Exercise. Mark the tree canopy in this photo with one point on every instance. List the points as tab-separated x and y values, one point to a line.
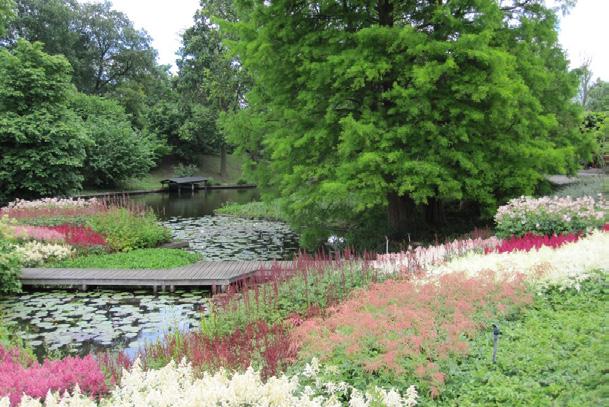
42	141
361	108
102	45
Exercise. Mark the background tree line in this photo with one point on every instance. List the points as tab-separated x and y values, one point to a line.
363	118
109	111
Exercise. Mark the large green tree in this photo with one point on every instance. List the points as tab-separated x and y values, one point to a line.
102	45
360	108
7	13
211	81
117	151
42	141
598	97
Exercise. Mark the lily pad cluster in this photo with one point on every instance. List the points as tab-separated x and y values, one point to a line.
230	238
85	322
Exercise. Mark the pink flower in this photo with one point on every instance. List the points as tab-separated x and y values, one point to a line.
19	376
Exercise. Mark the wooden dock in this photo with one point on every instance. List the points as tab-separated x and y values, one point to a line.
218	274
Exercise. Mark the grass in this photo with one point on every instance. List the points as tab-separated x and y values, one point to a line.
208	166
587	186
253	210
555	354
135	259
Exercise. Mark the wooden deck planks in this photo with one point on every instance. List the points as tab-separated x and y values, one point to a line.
199	274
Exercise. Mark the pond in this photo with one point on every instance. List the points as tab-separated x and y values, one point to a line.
79	323
82	322
190	217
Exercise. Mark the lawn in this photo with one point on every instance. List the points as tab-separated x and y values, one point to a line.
134	259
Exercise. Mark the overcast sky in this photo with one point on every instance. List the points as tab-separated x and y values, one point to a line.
584	33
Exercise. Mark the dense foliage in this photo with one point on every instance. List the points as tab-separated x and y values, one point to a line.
117	151
392	110
10	262
134	259
551	215
41	139
126	230
553	355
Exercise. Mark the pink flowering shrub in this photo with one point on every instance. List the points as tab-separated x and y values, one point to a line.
40	233
531	241
410	331
551	215
82	236
74	235
19	376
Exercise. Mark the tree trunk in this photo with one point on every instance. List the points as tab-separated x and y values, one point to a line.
223	170
434	212
401	214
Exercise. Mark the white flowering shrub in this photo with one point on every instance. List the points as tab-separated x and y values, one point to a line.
551	215
421	258
563	267
178	386
35	253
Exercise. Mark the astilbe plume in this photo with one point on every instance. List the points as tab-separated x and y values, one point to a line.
257	343
19	376
408	326
39	233
532	241
82	236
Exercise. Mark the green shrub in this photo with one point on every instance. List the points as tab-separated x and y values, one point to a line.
550	215
185	170
117	152
134	259
10	263
125	230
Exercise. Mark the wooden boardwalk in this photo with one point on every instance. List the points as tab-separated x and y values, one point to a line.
204	273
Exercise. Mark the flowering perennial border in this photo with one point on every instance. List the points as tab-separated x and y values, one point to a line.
36	380
420	258
564	267
178	385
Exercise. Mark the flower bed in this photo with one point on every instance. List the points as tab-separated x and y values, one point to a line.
179	385
551	215
565	266
531	241
399	332
19	376
34	253
420	258
74	235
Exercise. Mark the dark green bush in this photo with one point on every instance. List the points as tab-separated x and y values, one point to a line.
185	170
126	230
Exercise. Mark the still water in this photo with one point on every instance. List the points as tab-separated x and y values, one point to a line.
79	323
190	217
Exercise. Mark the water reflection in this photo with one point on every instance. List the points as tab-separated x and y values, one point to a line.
84	322
190	217
193	205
